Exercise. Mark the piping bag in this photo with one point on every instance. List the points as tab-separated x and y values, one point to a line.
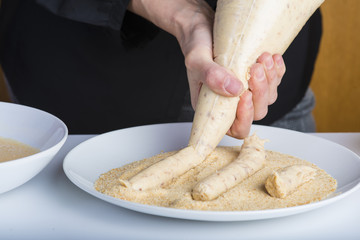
243	30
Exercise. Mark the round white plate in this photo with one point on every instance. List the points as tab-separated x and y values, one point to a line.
84	164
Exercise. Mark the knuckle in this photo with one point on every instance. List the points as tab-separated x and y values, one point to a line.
272	74
239	132
263	57
213	78
260	114
273	98
280	65
281	71
191	60
259	90
256	69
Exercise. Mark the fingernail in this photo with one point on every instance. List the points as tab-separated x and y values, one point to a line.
260	74
233	86
269	63
279	62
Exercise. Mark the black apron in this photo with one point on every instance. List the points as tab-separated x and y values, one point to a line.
97	79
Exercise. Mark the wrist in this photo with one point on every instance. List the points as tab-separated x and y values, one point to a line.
159	12
179	18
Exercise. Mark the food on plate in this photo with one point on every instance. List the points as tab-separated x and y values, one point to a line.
249	194
250	160
243	30
165	170
286	180
11	149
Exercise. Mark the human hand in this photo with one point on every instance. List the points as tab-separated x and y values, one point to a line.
266	75
191	22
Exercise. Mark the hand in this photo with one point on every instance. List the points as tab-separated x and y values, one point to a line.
266	75
191	23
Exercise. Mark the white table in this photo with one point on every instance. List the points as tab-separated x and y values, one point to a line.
51	207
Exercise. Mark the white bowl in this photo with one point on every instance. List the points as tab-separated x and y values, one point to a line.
33	127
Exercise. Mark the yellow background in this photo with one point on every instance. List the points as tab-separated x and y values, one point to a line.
336	80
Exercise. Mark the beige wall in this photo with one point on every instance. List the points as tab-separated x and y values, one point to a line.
336	80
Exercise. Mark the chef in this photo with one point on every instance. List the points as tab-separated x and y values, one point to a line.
105	65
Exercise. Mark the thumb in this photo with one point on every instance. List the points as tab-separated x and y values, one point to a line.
222	81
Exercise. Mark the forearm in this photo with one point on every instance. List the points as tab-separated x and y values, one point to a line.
180	18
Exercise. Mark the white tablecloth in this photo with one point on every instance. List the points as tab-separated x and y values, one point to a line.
50	207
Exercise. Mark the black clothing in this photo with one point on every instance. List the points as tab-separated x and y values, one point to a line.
111	69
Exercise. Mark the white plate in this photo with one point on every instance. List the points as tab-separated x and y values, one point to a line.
84	164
